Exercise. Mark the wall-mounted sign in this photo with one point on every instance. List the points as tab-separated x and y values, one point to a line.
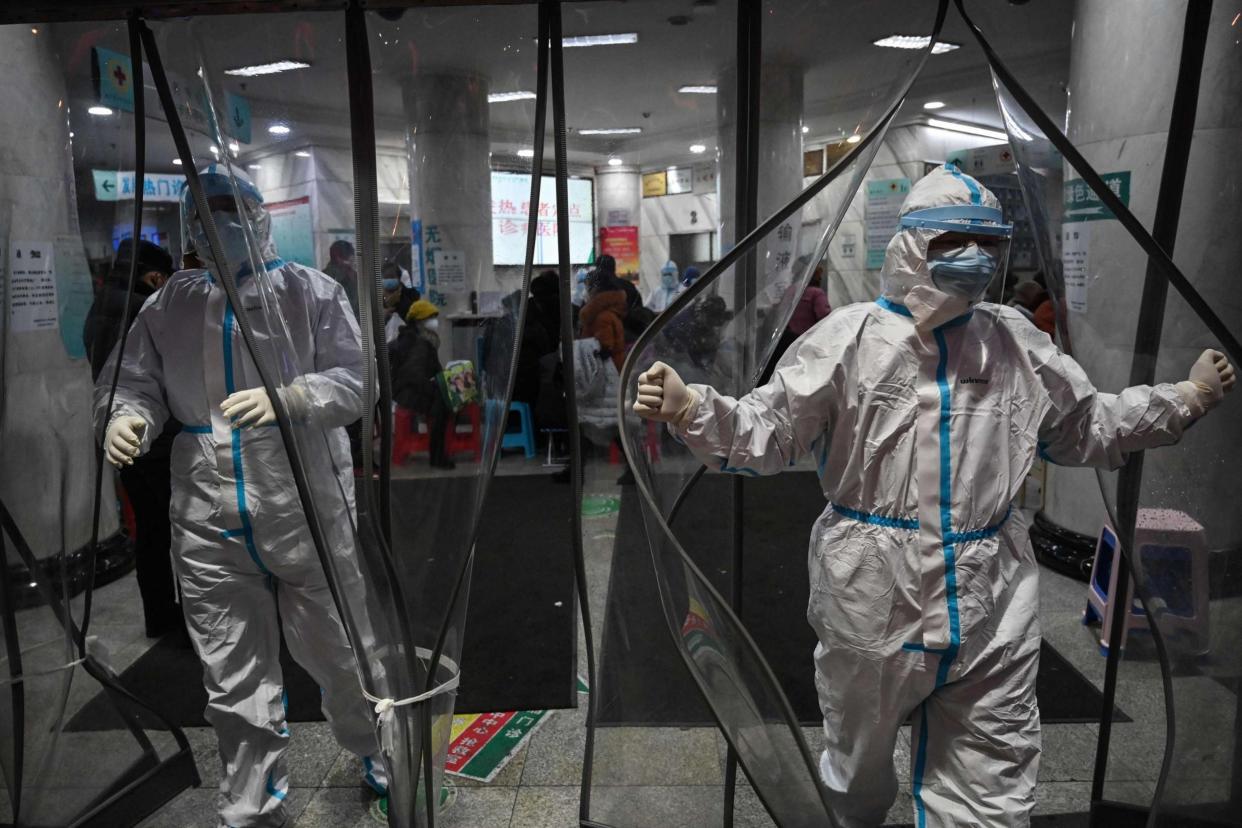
622	244
113	77
680	180
705	178
237	117
813	162
451	271
118	185
292	231
883	205
1082	204
995	160
655	184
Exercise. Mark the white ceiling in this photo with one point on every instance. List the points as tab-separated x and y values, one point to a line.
847	80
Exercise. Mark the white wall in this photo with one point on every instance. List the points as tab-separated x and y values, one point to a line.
664	215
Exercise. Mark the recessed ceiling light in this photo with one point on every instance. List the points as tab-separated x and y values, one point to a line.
916	42
254	166
614	162
234	147
614	131
696	148
526	153
502	97
267	68
805	129
599	40
99	110
967	129
177	161
278	129
853	139
697	90
934	105
302	154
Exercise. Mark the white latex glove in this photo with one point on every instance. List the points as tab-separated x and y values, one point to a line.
250	408
663	397
123	439
1211	378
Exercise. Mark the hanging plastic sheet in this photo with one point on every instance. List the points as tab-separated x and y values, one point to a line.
723	331
1169	516
70	161
437	332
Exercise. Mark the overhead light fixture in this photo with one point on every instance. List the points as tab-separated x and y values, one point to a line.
503	97
805	129
254	166
267	68
697	90
215	150
934	105
302	154
697	148
278	129
234	147
615	131
526	153
968	129
853	139
599	40
177	162
99	110
916	42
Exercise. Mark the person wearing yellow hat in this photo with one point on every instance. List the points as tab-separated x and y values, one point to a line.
415	366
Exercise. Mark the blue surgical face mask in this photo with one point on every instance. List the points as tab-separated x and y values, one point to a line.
964	272
232	238
392	284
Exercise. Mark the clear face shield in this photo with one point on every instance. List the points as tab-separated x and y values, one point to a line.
972	247
230	220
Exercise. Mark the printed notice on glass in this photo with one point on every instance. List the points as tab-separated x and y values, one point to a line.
451	271
1076	264
882	206
32	287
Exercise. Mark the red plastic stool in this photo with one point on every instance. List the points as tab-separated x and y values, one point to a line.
458	442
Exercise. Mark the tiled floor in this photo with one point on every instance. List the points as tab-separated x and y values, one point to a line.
673	774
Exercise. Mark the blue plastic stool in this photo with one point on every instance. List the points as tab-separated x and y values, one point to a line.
524	438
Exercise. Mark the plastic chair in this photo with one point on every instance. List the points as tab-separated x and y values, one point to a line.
524	437
1172	549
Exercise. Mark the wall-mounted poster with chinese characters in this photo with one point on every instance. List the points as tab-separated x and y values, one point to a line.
511	214
622	244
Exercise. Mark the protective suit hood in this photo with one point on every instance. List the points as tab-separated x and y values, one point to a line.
217	182
905	278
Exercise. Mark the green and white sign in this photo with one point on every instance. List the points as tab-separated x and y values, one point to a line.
883	204
1082	204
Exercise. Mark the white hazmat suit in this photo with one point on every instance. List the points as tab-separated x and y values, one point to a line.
242	551
924	412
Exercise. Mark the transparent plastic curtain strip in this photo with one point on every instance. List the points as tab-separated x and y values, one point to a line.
1163	532
403	606
48	579
751	710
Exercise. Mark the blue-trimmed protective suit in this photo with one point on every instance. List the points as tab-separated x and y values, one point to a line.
242	551
924	413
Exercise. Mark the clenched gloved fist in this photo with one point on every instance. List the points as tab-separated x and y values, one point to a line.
663	397
250	408
123	439
1211	377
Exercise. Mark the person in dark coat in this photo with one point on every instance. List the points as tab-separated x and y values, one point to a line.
415	363
147	482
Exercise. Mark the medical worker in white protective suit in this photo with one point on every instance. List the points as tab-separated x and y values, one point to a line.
669	289
924	411
241	547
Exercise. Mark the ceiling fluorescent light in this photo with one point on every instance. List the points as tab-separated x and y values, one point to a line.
599	40
99	110
934	105
267	68
968	129
526	153
614	162
615	131
503	97
916	42
697	90
697	148
278	129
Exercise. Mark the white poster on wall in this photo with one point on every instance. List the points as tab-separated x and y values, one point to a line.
884	200
511	212
680	180
451	271
32	287
1076	263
